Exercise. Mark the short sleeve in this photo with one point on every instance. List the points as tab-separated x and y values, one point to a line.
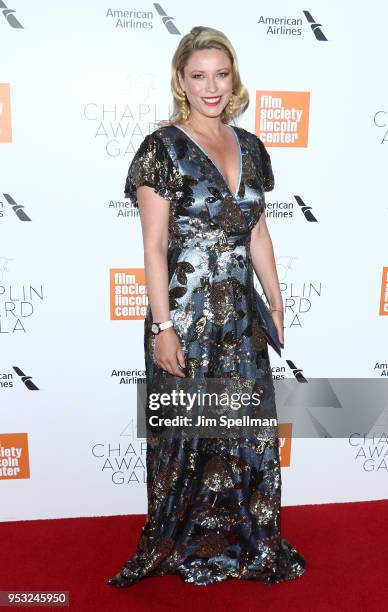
152	166
266	167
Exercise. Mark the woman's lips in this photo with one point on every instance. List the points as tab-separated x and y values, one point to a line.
212	101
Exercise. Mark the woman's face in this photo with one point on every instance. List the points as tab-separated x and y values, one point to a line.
208	81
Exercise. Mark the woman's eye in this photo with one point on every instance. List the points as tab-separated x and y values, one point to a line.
200	76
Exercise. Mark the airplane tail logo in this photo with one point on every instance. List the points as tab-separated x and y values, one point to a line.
306	210
297	372
27	380
9	15
316	27
167	20
18	209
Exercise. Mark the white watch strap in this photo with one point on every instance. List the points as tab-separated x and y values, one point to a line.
166	324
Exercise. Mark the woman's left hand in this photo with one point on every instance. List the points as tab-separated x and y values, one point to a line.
278	319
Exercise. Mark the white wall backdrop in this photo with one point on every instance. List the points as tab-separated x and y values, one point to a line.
84	89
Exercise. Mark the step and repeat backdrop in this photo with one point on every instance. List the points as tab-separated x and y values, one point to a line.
81	84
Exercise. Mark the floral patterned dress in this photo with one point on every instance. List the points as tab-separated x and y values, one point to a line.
213	503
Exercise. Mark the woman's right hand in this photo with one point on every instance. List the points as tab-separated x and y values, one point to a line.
168	353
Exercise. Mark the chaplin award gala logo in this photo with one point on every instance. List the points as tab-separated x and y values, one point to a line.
380	119
22	299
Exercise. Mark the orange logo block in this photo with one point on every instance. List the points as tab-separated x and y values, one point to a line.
285	438
282	118
5	113
384	292
14	458
128	294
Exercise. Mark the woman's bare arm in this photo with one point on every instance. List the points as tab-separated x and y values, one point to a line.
154	212
263	261
154	215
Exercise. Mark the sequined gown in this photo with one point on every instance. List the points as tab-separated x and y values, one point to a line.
213	503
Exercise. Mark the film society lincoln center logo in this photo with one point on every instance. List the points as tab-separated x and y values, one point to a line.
5	113
282	118
384	293
128	294
14	457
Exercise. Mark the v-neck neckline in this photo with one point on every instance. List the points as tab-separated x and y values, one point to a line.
234	194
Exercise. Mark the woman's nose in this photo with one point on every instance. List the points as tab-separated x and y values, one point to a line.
211	85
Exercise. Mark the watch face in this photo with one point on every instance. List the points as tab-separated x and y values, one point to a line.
154	328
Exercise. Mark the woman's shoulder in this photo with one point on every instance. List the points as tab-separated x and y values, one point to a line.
250	136
154	143
158	141
161	133
259	152
152	165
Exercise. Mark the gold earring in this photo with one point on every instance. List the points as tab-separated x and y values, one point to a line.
184	107
230	107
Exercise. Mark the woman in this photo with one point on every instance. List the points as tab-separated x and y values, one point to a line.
199	182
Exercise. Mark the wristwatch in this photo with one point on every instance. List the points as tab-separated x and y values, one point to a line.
156	327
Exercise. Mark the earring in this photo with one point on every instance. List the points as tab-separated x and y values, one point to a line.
184	107
230	107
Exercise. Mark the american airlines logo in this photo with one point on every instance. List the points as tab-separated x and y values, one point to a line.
167	20
283	210
18	209
27	380
9	15
316	27
7	380
140	19
291	26
297	372
306	210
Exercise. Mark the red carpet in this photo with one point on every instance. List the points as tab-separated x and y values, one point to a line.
345	545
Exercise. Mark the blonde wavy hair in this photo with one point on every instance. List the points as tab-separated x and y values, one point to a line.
199	38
